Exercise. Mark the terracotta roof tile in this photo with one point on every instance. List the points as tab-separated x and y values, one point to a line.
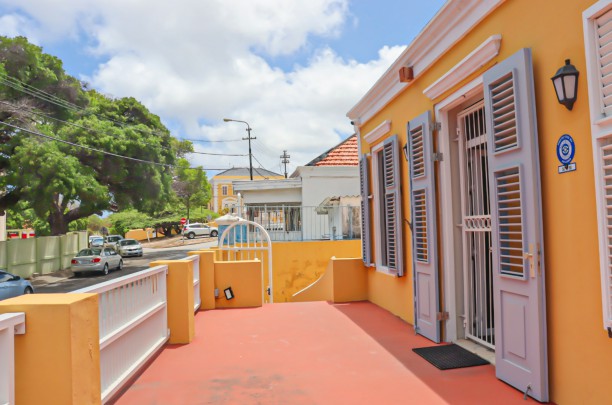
344	154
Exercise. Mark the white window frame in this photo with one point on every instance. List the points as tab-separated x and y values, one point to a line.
601	130
377	197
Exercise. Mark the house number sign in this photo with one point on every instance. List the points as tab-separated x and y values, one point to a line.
565	153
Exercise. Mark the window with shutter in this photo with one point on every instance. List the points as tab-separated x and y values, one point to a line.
365	211
598	45
387	203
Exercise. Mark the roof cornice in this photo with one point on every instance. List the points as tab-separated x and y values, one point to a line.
454	20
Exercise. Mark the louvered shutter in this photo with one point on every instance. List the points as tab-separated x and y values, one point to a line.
423	217
366	248
518	259
603	26
605	168
393	206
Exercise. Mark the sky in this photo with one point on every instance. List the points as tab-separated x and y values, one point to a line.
292	69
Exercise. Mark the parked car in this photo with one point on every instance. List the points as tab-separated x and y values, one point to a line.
96	259
111	241
129	247
196	229
96	241
13	286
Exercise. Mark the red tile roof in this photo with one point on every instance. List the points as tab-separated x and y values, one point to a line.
344	154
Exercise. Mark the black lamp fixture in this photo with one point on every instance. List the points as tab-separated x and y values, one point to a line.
405	149
566	84
229	294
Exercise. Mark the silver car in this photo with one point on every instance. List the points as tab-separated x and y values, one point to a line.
197	229
129	247
96	259
13	286
111	241
96	241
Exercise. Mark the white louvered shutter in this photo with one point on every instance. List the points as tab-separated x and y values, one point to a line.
516	226
605	167
366	248
604	50
423	217
393	206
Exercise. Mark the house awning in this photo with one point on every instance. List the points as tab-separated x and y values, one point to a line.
335	201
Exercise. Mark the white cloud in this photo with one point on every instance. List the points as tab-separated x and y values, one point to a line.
196	62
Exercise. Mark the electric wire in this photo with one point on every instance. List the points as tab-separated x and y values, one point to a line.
98	150
96	131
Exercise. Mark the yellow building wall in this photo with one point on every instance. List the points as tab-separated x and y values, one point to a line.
245	280
579	350
57	360
298	264
227	181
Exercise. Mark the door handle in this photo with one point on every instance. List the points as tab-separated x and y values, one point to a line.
534	259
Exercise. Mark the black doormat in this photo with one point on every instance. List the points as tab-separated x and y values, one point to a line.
446	357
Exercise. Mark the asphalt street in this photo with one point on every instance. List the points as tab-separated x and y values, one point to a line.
66	281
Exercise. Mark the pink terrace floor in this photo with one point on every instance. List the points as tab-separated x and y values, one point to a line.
309	353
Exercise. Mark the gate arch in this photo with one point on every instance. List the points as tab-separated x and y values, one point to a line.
248	240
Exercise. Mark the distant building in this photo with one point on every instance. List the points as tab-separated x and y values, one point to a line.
223	190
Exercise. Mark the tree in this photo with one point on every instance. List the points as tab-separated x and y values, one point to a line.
124	221
62	182
191	185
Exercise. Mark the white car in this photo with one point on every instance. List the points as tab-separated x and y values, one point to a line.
196	229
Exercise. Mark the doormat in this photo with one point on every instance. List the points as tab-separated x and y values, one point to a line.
451	356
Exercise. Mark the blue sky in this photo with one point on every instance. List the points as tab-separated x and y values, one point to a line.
292	69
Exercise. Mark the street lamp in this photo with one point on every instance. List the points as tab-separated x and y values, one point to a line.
249	138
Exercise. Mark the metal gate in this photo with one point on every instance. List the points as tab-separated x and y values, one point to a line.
476	225
247	240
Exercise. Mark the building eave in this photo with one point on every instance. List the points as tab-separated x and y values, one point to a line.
454	20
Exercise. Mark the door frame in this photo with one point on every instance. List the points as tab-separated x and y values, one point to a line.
447	225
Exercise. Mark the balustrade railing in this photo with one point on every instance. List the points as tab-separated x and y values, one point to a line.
133	324
11	324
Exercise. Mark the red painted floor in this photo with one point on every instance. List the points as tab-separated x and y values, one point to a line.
309	353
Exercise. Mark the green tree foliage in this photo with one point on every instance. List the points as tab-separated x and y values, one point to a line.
130	219
191	186
63	183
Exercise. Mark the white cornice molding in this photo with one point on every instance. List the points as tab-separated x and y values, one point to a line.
375	134
454	20
471	63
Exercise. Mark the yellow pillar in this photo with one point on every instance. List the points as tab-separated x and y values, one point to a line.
57	360
179	287
207	278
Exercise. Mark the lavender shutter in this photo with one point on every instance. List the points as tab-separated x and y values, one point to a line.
365	211
393	206
424	244
518	264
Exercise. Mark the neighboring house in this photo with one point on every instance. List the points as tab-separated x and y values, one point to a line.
292	205
493	239
223	191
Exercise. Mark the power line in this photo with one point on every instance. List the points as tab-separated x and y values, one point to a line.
217	154
98	150
285	160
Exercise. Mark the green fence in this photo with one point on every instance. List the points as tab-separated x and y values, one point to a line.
43	255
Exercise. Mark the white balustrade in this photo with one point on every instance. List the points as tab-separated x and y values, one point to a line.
196	281
11	324
133	319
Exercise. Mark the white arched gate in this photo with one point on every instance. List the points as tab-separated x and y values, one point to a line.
247	240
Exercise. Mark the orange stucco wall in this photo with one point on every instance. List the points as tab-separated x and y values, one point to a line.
298	264
57	360
579	350
245	280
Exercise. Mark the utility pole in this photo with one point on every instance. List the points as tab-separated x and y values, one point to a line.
244	139
285	160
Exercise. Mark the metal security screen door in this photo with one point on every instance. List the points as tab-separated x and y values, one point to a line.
476	226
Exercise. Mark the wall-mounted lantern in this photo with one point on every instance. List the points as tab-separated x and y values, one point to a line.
566	84
229	294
